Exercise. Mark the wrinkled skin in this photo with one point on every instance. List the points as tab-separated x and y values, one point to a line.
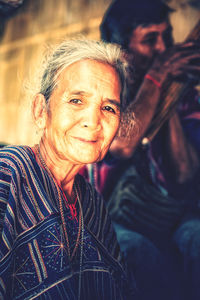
81	119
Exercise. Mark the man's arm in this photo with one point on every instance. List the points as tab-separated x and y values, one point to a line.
176	62
182	156
142	110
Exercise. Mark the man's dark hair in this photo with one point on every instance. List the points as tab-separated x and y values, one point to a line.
123	16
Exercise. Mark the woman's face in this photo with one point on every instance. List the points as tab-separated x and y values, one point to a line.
84	112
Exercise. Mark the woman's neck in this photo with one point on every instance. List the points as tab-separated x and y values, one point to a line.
63	171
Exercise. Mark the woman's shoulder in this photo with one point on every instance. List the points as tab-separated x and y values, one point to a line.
16	151
13	148
14	156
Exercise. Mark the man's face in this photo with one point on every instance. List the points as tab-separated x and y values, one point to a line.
147	42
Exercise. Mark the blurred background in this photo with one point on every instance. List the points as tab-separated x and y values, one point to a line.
28	27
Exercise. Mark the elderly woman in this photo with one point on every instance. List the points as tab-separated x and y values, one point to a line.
56	238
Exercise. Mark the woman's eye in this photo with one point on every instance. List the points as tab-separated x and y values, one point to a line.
109	108
75	101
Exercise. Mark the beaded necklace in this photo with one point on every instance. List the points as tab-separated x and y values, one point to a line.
72	208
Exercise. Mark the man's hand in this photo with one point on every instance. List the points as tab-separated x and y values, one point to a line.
180	62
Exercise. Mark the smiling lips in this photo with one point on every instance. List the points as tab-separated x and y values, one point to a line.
86	140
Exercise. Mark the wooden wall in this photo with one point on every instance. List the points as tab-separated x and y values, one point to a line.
22	45
37	24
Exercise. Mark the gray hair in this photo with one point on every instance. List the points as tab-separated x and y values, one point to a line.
72	51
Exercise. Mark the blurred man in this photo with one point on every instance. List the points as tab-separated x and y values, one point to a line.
153	193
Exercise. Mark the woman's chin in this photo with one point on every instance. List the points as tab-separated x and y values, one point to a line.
90	159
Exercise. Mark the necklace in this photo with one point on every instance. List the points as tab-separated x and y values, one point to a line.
81	251
36	149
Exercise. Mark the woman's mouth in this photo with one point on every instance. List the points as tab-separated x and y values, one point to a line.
86	140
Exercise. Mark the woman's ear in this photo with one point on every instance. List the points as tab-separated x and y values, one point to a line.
39	111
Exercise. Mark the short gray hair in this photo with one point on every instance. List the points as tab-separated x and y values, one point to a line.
72	51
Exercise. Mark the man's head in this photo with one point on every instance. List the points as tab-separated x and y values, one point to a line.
139	26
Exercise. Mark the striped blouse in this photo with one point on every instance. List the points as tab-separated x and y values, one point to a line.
34	262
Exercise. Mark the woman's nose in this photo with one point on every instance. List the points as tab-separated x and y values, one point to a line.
92	119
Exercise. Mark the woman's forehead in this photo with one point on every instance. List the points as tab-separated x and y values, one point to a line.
89	73
87	77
